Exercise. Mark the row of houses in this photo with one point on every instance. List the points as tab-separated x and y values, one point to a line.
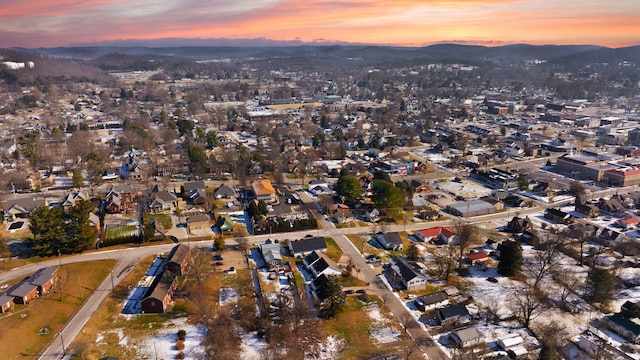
160	293
38	284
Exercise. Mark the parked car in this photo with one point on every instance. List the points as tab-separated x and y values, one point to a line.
492	279
217	257
361	291
219	263
348	292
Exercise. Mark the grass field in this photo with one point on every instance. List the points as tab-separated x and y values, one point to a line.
351	325
28	329
333	250
163	219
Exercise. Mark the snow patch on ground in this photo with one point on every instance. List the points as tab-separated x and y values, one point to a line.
162	344
251	345
228	296
380	330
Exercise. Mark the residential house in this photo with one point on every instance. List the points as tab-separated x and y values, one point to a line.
628	328
320	187
194	192
372	214
319	263
114	203
23	292
20	208
342	215
178	259
197	197
519	225
188	187
453	314
588	210
198	222
73	197
302	247
225	192
630	309
320	286
466	337
264	191
406	274
225	224
628	223
611	206
475	257
159	295
390	241
557	216
430	301
44	279
6	303
438	235
162	200
271	253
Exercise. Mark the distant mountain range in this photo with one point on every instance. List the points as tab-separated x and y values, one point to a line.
197	49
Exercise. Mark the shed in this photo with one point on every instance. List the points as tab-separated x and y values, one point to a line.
510	342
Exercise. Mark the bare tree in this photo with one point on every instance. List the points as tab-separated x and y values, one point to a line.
221	342
490	306
467	236
582	235
527	303
570	284
445	262
544	259
199	266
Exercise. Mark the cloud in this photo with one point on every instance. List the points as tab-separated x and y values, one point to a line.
393	22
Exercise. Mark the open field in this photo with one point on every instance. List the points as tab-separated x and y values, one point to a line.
29	328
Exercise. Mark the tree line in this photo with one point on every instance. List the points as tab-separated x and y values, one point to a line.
56	231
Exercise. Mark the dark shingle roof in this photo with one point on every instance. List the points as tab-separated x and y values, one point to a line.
308	244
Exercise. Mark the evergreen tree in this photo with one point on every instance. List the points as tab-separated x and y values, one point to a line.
387	196
510	258
77	178
348	186
336	299
47	227
600	284
80	233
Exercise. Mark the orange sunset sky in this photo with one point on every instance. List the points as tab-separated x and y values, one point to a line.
49	23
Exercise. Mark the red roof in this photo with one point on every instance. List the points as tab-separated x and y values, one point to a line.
629	221
435	231
479	256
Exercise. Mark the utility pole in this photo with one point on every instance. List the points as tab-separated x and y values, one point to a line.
112	286
80	287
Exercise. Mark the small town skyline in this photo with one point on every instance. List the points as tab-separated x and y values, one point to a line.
33	23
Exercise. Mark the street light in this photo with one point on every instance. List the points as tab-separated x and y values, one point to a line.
64	350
